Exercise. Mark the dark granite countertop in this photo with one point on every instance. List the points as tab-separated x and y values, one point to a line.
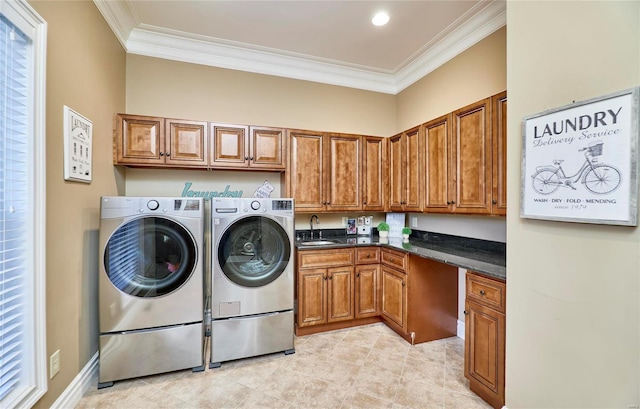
485	257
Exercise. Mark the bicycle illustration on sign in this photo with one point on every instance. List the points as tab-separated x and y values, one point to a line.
598	178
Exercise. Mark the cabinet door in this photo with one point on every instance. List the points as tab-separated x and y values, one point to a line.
229	146
499	142
340	294
471	150
187	142
396	170
394	296
437	186
139	139
268	148
306	183
374	173
312	299
413	170
343	172
484	352
366	283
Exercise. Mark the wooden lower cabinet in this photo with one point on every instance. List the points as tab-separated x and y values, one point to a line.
340	288
325	287
367	281
485	338
394	296
340	293
419	296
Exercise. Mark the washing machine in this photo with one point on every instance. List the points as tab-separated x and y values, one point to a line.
150	286
252	281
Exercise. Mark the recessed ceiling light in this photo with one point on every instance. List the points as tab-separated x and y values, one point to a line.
380	19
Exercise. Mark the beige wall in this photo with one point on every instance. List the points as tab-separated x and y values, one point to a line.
85	71
190	91
573	309
477	73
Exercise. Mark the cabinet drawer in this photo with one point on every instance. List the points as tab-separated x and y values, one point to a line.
486	291
394	259
325	258
367	255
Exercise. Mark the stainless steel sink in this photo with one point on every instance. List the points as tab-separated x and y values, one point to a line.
318	243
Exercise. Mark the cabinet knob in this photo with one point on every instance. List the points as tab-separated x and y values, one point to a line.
252	158
448	202
391	259
368	255
465	312
482	292
168	154
325	277
161	153
357	274
328	203
246	158
453	202
364	203
331	277
403	284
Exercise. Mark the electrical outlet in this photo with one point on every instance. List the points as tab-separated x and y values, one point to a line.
414	222
54	364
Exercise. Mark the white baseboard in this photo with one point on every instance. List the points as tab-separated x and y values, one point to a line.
460	329
80	384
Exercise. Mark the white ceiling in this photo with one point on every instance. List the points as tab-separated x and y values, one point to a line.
324	41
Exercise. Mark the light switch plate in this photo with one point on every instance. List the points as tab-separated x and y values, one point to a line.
414	222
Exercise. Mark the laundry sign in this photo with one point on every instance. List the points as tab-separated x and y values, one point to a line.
208	194
580	161
213	184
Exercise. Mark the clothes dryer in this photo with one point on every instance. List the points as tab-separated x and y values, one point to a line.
252	281
150	286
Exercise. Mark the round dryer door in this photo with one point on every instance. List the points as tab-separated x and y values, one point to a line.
254	251
150	257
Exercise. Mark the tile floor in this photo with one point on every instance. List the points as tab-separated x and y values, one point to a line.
363	367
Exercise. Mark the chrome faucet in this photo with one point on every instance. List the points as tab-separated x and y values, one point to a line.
311	223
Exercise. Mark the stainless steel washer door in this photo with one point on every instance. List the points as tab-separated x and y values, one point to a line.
254	251
150	257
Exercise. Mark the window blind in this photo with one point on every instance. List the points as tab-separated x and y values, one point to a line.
14	204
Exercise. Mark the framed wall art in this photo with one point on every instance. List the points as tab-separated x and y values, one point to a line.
579	162
78	136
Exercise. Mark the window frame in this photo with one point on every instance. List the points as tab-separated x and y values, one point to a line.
24	17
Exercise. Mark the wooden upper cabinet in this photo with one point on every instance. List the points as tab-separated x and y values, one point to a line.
396	166
268	148
148	141
239	146
437	165
405	187
325	171
413	170
229	145
343	163
499	145
471	153
139	140
374	173
306	170
186	142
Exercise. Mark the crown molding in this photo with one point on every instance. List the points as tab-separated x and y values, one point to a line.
150	41
451	43
161	43
119	17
